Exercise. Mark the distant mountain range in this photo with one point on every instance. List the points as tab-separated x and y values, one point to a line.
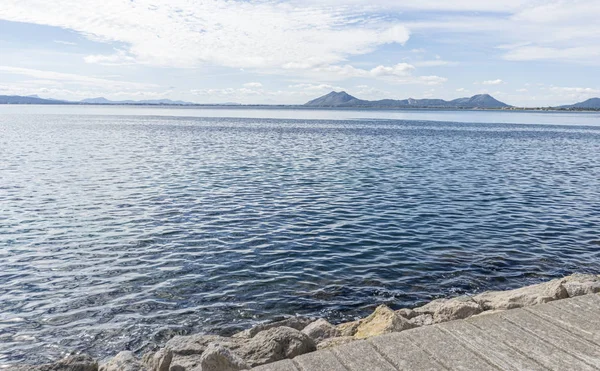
331	100
32	99
343	99
592	103
102	100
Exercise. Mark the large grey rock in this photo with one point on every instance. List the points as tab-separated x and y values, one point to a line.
382	321
274	345
407	313
124	361
158	361
297	323
336	341
431	307
422	320
348	328
523	297
457	308
581	284
79	362
197	344
184	352
219	358
321	330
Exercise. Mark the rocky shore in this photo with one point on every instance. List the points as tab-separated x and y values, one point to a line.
271	342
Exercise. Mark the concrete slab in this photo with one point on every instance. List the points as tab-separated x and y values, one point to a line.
322	360
445	349
488	347
558	337
361	355
579	324
537	349
285	365
561	335
404	354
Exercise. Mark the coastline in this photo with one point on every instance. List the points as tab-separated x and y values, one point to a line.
271	342
312	108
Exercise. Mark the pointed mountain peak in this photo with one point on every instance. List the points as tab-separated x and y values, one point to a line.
333	99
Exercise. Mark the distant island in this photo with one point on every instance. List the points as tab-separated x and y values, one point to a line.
343	99
339	100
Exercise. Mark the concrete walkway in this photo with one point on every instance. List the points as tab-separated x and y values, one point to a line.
561	335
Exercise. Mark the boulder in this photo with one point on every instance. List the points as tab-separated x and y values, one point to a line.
274	345
523	297
79	362
321	330
457	308
407	313
581	284
431	307
334	342
422	320
297	323
184	352
348	328
197	344
382	321
219	358
159	361
124	361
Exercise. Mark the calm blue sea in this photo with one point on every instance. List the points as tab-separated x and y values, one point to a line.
122	226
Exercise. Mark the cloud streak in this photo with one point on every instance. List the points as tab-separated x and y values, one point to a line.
239	34
69	78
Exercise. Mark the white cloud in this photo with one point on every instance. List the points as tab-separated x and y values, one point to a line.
401	73
64	42
531	53
119	58
33	88
398	70
461	90
523	90
253	85
434	5
239	34
493	82
432	80
574	90
434	63
316	87
567	94
69	78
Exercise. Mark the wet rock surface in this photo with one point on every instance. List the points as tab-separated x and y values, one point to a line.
382	321
80	362
124	361
321	330
523	297
294	336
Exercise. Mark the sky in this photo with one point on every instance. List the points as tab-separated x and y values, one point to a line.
524	52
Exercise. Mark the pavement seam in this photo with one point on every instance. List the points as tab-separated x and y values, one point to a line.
337	356
565	328
512	347
374	346
419	345
468	347
548	342
297	365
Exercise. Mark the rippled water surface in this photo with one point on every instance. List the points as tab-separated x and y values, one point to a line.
119	231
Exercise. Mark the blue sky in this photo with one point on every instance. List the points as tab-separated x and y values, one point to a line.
524	52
